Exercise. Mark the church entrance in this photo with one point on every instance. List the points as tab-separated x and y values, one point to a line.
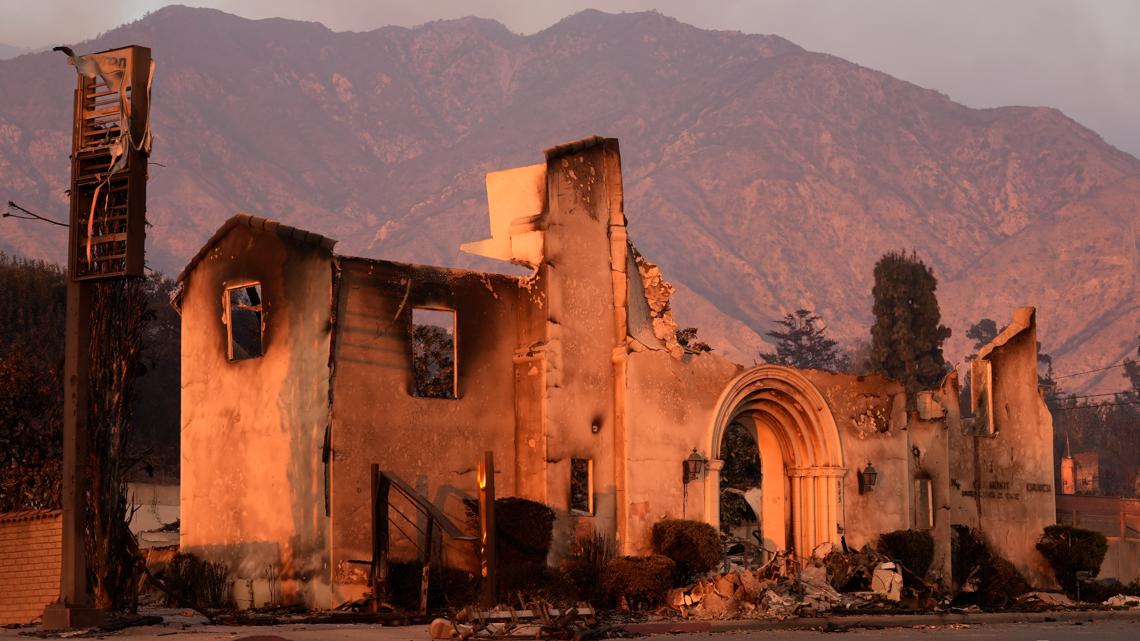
777	469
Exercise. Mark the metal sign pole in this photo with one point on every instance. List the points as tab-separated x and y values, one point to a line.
107	229
75	608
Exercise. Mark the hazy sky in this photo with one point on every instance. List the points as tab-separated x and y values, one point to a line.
1081	56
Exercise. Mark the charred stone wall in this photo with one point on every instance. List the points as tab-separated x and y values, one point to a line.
252	490
432	443
1002	468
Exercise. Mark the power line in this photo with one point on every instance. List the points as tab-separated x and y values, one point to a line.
1068	396
1090	371
30	215
1092	407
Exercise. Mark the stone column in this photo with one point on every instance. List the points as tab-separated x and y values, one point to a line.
797	510
832	480
712	493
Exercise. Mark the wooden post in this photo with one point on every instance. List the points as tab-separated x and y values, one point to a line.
429	530
379	572
486	478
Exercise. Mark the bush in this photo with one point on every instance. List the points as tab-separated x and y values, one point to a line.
524	529
1070	550
912	548
693	546
587	563
527	527
198	583
642	580
998	581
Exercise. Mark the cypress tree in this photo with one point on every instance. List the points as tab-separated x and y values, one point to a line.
906	339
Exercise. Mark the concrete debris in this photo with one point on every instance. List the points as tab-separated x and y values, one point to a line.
822	550
769	592
1123	601
442	629
1052	599
887	581
537	621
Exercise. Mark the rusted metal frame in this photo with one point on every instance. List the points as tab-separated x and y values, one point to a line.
100	119
401	530
379	573
410	522
427	507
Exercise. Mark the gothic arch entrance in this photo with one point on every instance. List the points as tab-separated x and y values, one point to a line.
800	456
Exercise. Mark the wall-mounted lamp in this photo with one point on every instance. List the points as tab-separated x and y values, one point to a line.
694	466
867	478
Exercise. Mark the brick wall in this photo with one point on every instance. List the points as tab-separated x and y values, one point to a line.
29	564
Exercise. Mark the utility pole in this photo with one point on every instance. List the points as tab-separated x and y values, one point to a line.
109	152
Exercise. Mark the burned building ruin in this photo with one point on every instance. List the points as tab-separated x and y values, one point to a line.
301	368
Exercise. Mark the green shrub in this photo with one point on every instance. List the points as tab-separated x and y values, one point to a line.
693	546
642	580
912	548
1070	550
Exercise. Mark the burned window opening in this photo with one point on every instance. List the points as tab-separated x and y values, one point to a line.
433	353
923	503
582	486
245	323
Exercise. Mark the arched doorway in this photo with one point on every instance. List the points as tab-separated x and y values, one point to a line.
800	456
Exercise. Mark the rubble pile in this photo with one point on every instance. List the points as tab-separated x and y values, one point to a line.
1123	601
776	592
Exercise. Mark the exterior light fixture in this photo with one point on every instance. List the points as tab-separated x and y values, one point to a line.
694	466
867	478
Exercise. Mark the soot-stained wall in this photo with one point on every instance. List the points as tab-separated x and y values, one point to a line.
252	430
434	444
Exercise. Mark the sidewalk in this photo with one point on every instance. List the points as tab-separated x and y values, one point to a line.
181	628
831	622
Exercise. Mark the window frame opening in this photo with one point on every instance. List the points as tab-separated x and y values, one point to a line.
419	384
228	307
923	503
575	503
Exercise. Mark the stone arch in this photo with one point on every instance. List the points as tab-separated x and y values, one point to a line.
787	412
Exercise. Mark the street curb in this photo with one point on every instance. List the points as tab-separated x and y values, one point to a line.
881	621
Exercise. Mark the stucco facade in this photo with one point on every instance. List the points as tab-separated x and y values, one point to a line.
575	366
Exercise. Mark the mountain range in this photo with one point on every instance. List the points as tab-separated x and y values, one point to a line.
762	177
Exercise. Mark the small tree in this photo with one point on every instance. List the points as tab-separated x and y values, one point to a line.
801	341
982	333
687	338
906	339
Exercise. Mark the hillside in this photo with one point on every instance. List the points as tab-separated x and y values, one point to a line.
761	176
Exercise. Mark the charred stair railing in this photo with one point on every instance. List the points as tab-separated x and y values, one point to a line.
379	575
